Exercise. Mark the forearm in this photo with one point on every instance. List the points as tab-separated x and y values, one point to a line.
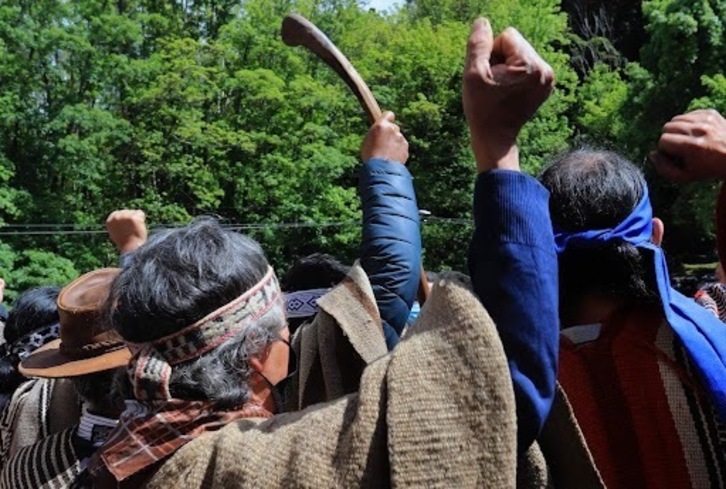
391	238
513	266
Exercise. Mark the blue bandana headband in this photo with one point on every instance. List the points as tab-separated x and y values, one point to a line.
702	335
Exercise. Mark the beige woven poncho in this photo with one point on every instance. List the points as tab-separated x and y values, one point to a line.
436	412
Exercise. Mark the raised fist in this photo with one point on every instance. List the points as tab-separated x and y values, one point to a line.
127	229
692	147
505	82
384	140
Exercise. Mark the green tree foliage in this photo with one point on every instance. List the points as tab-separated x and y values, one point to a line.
197	107
680	68
186	108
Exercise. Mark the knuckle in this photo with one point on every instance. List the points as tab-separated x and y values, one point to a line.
472	74
702	128
510	32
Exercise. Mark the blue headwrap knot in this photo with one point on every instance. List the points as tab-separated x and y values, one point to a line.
703	336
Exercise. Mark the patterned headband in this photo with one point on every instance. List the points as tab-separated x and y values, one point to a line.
150	367
26	344
303	303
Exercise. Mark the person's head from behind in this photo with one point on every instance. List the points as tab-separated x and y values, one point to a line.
305	281
32	322
212	294
593	190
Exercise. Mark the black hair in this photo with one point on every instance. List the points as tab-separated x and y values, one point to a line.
316	271
179	276
597	189
34	309
101	389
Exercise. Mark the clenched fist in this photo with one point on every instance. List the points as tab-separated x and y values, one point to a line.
692	147
127	229
384	140
505	82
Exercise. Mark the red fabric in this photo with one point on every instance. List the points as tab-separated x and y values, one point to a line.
150	432
614	384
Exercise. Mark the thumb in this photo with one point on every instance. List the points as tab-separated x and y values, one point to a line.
387	116
481	42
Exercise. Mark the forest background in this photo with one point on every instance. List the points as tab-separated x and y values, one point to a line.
192	107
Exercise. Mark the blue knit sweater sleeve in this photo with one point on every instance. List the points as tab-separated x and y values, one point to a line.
513	266
391	243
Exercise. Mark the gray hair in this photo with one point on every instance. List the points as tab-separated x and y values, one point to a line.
177	278
221	375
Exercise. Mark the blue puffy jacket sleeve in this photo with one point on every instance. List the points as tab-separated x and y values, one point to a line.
513	267
391	243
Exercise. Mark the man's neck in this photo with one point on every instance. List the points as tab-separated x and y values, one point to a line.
592	309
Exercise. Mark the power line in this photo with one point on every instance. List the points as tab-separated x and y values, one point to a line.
59	229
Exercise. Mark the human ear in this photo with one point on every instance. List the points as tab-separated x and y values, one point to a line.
257	362
658	230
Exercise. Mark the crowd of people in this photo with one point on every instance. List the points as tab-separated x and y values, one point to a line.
563	358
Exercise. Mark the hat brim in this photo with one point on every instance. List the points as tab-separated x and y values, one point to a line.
49	361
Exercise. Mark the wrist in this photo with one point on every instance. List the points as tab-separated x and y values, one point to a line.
503	158
384	159
130	245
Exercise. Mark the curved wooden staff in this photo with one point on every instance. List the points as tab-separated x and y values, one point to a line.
299	31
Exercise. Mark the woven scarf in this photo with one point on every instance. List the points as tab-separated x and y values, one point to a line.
701	334
156	425
19	349
150	366
303	303
151	431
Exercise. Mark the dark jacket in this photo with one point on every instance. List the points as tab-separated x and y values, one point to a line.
390	250
513	267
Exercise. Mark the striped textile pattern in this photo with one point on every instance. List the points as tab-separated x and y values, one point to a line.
9	420
149	432
713	298
150	367
646	418
52	463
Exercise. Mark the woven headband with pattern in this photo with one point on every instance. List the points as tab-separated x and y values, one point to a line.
150	367
303	303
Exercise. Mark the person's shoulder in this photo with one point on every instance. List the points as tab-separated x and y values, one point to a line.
62	440
37	464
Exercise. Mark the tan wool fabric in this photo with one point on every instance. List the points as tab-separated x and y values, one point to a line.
436	412
563	444
345	336
38	408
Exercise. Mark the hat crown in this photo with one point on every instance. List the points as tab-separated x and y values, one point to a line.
79	307
86	344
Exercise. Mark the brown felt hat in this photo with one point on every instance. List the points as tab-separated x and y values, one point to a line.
85	346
